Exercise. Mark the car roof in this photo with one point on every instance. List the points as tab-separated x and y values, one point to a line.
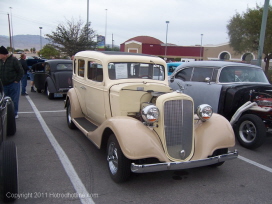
114	55
58	61
215	64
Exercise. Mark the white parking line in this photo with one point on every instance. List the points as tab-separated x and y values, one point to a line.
255	164
55	111
82	193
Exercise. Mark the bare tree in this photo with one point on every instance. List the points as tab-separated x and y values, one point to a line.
73	37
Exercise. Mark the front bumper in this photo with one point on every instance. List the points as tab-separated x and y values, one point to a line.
144	168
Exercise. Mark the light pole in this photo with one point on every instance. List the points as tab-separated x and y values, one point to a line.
88	18
12	48
201	48
166	39
40	37
106	28
9	35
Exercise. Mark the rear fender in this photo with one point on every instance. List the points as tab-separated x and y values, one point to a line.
136	140
51	85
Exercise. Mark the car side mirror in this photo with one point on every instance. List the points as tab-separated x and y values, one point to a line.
172	79
208	80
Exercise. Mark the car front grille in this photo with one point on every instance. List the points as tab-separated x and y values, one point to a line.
178	122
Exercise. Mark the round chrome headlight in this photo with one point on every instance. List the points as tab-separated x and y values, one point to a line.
204	112
150	114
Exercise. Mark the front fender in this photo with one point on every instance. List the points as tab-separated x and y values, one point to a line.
136	140
216	133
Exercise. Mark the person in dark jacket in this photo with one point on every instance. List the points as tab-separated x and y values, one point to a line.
24	78
11	72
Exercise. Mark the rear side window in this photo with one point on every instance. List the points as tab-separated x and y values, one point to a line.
201	73
185	74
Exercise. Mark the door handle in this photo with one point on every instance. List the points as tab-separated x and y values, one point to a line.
188	84
83	87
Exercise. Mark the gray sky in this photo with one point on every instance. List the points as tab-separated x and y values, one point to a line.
125	19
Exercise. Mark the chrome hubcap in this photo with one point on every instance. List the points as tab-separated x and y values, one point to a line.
112	158
69	114
247	131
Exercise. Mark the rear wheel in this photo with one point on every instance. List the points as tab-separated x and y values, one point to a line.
49	95
9	173
250	131
11	123
70	123
118	164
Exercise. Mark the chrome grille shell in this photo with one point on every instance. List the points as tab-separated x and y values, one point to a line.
175	125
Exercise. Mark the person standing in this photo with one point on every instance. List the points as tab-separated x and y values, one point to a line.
24	78
11	72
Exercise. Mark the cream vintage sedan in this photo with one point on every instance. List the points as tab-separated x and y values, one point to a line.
122	102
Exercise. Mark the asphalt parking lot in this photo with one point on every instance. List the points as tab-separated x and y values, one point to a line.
60	165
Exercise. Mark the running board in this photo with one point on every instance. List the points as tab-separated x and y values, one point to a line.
85	124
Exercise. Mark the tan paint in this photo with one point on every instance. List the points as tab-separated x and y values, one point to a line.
213	134
136	140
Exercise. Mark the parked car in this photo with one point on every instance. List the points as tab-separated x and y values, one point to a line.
171	66
31	61
145	127
8	153
56	78
240	92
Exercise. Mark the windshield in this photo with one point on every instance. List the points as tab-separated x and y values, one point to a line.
132	70
242	74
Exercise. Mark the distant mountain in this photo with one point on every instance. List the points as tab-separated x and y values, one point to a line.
23	41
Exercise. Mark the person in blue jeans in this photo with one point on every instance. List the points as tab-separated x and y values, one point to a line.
11	72
24	78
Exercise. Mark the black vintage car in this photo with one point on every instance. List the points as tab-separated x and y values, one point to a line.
8	153
55	79
240	92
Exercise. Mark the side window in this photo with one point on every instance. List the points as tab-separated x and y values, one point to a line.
200	74
184	74
95	71
81	67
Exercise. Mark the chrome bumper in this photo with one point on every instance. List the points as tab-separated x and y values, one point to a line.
144	168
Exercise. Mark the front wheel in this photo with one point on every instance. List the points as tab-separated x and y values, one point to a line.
11	123
217	153
9	173
250	131
118	164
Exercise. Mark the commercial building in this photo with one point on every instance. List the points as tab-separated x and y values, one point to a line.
153	46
